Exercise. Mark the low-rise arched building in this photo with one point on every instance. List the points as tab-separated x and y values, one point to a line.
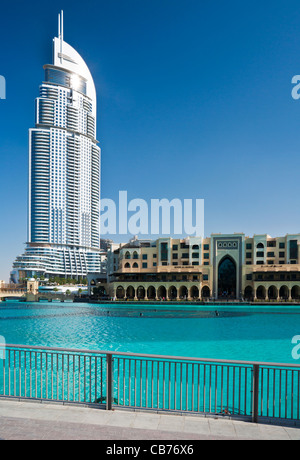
221	267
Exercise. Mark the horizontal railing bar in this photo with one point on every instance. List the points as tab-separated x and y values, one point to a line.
150	356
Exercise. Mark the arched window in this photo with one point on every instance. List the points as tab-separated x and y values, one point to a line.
127	255
260	245
135	265
127	265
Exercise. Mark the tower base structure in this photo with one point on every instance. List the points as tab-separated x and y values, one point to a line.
48	260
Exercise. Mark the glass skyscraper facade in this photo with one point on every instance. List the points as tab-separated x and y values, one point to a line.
64	172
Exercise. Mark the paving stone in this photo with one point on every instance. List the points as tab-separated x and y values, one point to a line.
145	421
293	433
222	428
171	423
25	420
246	430
197	426
122	419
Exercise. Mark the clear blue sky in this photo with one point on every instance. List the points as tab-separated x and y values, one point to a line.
194	101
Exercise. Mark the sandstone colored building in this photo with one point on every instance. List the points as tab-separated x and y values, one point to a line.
223	266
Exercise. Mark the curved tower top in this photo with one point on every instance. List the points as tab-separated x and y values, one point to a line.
66	58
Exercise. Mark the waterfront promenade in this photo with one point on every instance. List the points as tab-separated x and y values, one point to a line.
36	421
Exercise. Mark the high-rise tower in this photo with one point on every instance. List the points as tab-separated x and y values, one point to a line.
64	172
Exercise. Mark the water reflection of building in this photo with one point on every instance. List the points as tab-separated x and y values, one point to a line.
220	267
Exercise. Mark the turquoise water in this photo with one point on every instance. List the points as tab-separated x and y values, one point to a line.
255	334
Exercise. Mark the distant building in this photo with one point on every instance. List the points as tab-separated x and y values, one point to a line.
219	267
105	244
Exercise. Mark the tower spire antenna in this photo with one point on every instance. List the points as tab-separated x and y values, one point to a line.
61	31
62	24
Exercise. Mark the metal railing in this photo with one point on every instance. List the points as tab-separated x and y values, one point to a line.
160	383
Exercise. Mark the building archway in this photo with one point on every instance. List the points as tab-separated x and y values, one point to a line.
284	292
151	293
248	293
261	293
227	278
120	292
161	292
183	292
194	292
205	292
140	292
130	292
172	293
295	293
272	292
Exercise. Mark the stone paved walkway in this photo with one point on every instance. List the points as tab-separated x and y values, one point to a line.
36	421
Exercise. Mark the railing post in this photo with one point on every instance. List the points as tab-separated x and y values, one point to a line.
255	393
109	381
